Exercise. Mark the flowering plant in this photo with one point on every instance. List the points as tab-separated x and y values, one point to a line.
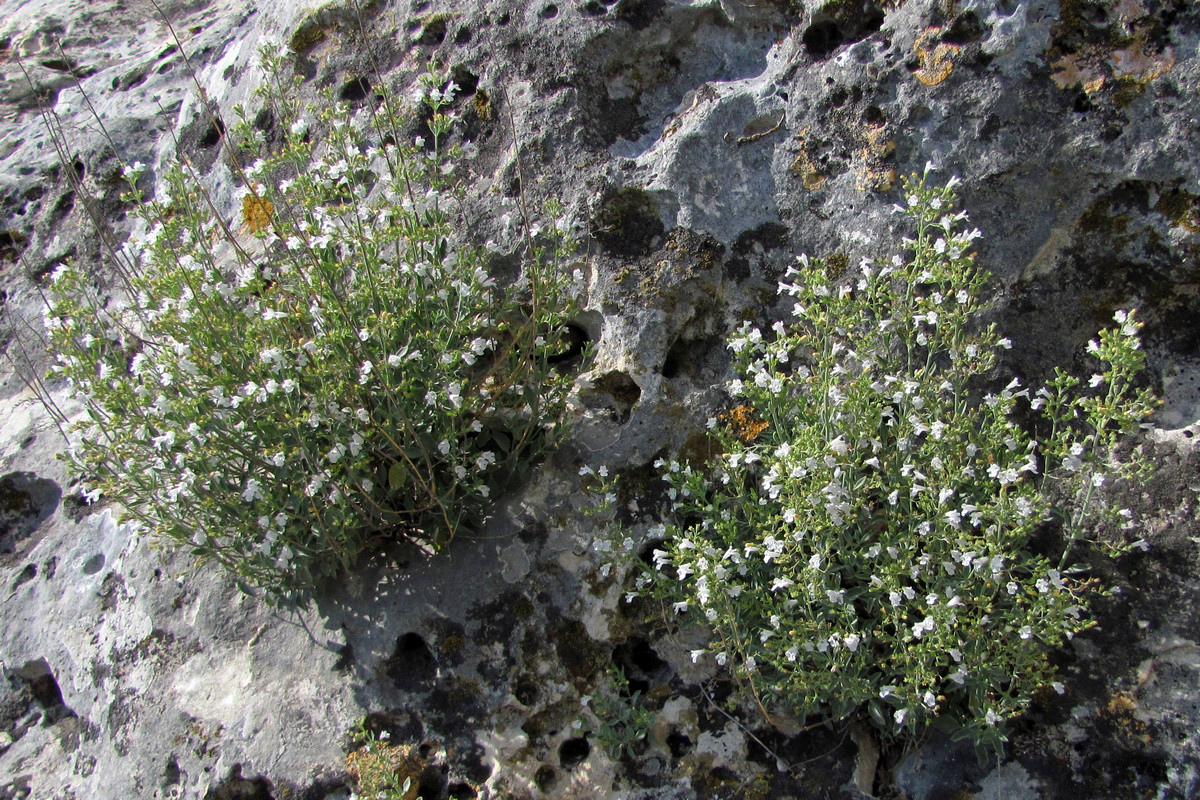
862	541
334	371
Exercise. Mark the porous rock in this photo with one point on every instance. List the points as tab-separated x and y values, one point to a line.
698	146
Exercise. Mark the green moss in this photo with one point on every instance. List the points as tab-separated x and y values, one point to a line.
1182	208
699	449
307	36
483	105
580	655
837	264
1098	218
1128	90
628	222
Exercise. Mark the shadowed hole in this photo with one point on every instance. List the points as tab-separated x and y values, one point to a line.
573	752
411	667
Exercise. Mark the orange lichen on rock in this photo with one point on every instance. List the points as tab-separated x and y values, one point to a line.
257	213
743	424
937	58
1134	62
1074	72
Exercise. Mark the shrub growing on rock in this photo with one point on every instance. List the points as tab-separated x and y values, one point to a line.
862	542
281	392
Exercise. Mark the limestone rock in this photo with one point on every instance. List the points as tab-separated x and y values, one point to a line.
698	146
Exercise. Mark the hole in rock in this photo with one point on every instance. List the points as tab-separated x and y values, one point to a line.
627	223
27	574
213	135
821	38
355	90
573	339
235	787
641	664
25	502
623	391
639	13
12	243
527	692
44	689
679	744
93	564
549	12
467	80
965	29
573	752
434	32
411	667
545	777
687	356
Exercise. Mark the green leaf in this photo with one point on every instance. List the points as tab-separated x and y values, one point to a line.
879	716
397	476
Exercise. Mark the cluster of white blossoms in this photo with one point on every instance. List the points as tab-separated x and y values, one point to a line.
278	391
862	538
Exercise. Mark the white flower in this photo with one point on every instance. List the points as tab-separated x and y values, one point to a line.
252	491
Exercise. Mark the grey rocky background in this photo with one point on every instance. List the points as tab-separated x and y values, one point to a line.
699	146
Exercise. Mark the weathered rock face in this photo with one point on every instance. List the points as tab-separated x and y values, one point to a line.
699	146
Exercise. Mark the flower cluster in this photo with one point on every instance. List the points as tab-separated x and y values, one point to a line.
337	369
862	539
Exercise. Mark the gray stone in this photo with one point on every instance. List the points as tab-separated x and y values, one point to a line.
698	147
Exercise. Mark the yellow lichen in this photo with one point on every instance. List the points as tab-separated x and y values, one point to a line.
257	213
937	58
811	176
742	423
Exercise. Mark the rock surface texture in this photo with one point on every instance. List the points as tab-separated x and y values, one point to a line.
698	147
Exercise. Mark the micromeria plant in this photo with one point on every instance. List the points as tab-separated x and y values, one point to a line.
283	393
861	544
